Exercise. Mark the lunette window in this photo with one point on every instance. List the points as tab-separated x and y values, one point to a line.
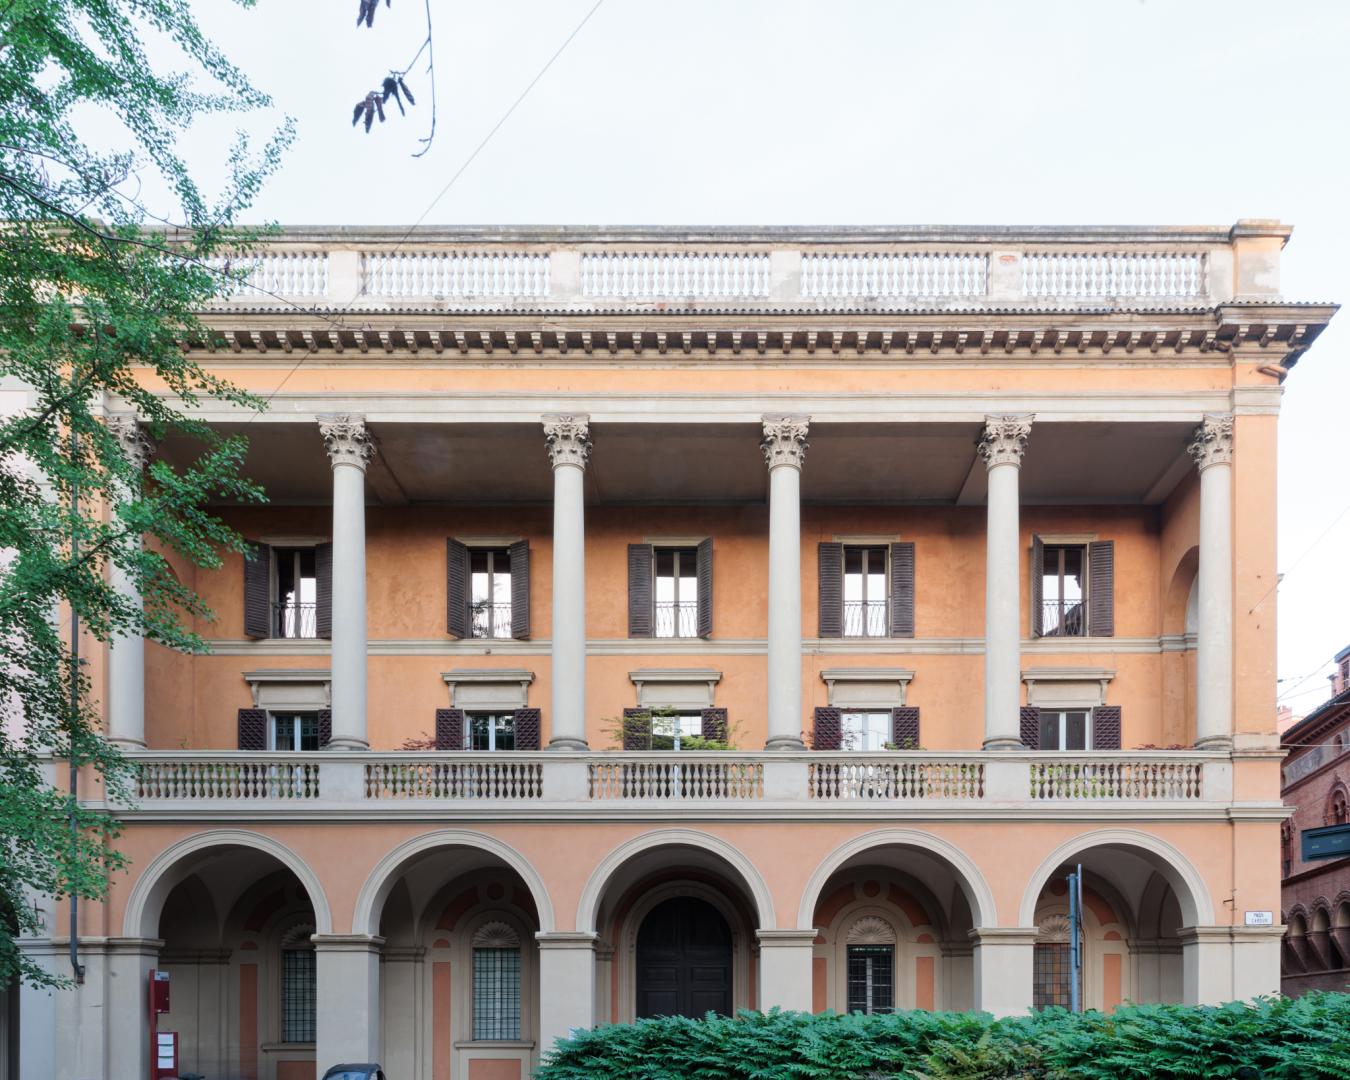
675	598
490	731
871	978
864	729
1064	591
866	597
295	731
295	601
490	593
1066	729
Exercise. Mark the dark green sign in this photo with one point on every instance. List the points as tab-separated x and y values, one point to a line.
1331	842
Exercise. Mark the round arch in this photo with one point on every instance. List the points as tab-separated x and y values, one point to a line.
172	865
972	883
370	900
589	905
1193	895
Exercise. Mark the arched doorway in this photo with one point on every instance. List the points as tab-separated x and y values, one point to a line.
683	960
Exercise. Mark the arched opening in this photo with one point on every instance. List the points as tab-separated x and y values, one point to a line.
683	960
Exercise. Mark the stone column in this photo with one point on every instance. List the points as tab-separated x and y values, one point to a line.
566	985
784	447
1003	969
126	1003
569	447
785	969
1206	964
126	652
349	449
1002	445
347	968
1212	449
37	1010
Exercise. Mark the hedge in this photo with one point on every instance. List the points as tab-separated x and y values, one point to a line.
1270	1039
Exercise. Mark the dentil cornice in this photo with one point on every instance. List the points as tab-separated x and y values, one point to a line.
568	438
1212	443
1004	440
784	440
347	440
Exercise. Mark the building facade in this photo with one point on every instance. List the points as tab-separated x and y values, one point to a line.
650	621
1315	893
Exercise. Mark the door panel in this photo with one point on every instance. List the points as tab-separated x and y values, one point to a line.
683	960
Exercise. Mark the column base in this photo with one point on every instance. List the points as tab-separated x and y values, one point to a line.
343	743
126	744
1003	743
564	742
1214	742
784	742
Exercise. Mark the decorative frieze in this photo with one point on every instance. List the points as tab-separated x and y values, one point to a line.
1004	440
569	439
784	440
136	444
1212	443
347	440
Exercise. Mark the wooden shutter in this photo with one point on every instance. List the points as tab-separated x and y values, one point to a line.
905	727
449	729
1037	581
1030	717
637	729
714	725
528	725
456	588
252	729
828	733
519	554
705	587
323	590
830	619
902	589
1106	727
257	591
1102	588
325	727
639	590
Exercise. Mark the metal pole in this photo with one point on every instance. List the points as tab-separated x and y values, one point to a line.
1075	953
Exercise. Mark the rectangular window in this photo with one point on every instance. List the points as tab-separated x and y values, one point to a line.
675	598
865	730
295	731
496	994
294	604
490	731
865	592
871	978
490	593
1064	591
1070	729
1050	974
298	993
669	729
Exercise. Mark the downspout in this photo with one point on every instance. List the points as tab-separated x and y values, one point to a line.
75	964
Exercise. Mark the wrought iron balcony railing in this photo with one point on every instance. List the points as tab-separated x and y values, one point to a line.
294	619
676	619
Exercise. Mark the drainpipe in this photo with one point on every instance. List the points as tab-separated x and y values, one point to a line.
75	964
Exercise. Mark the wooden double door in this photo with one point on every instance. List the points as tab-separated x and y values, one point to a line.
683	960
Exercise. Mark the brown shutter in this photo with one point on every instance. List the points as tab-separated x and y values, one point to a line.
449	729
902	589
905	727
714	725
830	619
257	591
252	729
528	723
457	588
325	727
639	590
1037	591
705	587
1030	717
829	727
1106	727
1102	588
637	729
519	553
323	590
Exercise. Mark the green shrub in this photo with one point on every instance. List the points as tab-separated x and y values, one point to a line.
1271	1039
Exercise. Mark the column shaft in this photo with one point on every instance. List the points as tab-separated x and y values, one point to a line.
348	1007
126	674
566	985
784	447
785	975
1212	449
569	448
1003	963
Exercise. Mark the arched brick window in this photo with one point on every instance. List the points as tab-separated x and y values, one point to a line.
1338	806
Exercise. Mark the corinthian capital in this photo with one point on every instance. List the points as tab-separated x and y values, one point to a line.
784	440
347	440
1004	440
135	443
1212	443
568	439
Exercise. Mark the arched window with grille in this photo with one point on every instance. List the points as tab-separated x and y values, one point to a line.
1051	972
496	983
871	966
299	986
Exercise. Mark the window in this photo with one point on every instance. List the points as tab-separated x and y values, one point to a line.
490	731
670	728
871	978
1063	591
865	730
295	731
299	983
490	599
294	606
675	599
1069	729
496	983
1050	974
865	592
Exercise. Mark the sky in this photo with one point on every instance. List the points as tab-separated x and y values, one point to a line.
750	112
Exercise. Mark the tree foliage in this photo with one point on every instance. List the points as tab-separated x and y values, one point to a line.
94	310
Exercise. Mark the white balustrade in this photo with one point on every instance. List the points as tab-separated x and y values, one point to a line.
456	776
1114	275
276	274
847	776
676	775
853	277
1135	780
675	275
225	777
455	274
